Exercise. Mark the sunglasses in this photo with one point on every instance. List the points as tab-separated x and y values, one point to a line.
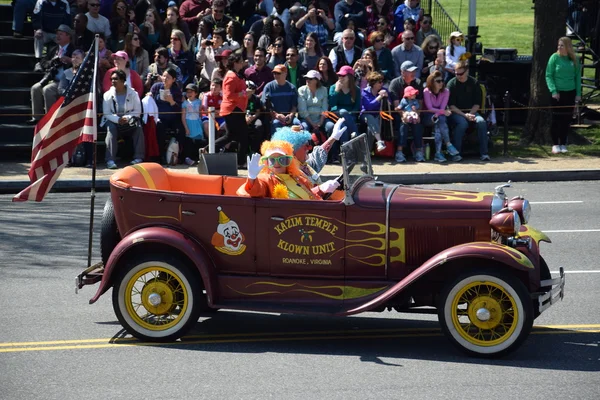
276	73
277	25
378	40
438	81
458	39
460	73
176	39
381	24
94	5
409	38
278	45
121	8
425	22
284	161
221	11
432	47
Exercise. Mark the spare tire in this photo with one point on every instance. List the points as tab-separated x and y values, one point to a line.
109	232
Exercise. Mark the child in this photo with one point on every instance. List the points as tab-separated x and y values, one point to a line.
190	118
454	50
213	99
410	105
253	110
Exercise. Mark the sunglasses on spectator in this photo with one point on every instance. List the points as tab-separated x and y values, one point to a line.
284	161
121	8
278	45
458	39
218	11
432	47
176	39
439	81
460	73
94	4
277	25
378	40
426	22
381	24
276	73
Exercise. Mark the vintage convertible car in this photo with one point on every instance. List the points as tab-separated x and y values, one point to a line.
175	245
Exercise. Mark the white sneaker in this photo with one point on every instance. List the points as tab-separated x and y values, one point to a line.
555	149
563	149
380	146
136	161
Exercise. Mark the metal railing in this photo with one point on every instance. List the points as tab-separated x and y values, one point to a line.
442	22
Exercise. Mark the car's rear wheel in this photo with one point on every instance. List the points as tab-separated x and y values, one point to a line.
486	313
157	298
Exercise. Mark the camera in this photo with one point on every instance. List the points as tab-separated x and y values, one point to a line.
51	70
209	42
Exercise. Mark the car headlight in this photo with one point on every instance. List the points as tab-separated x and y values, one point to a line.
522	206
506	222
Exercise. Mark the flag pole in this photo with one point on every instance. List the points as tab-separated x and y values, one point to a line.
95	128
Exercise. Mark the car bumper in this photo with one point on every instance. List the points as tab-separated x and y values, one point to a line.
556	293
89	276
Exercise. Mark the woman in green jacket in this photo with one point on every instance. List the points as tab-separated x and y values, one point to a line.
563	77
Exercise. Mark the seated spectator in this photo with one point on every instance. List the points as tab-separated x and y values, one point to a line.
45	93
47	17
345	10
213	99
152	28
105	60
259	73
180	55
310	53
410	9
389	39
431	45
159	66
377	10
407	51
133	80
410	25
295	72
246	12
118	9
69	73
209	49
439	64
345	102
426	30
82	36
296	12
313	103
234	32
20	11
397	87
121	111
276	53
364	66
435	99
254	108
465	102
192	11
97	23
346	53
216	18
370	106
281	10
328	75
359	37
280	98
317	23
385	61
138	56
197	38
273	29
248	49
172	21
168	97
119	29
454	51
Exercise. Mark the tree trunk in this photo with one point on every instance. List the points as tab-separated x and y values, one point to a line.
550	19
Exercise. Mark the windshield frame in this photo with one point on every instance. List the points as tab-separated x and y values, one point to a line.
356	146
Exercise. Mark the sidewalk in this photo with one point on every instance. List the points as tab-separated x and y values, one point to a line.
13	175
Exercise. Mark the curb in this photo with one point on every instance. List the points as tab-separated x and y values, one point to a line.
102	185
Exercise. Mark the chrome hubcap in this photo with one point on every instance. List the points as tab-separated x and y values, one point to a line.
483	314
154	299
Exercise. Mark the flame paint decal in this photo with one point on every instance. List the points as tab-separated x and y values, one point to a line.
494	247
330	292
537	235
178	218
445	195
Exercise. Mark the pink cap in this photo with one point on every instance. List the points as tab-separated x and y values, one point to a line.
121	54
345	70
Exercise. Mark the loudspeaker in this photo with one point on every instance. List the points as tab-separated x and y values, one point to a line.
218	164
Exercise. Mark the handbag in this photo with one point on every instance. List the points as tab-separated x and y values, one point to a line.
127	129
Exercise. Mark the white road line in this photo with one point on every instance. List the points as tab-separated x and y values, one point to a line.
576	272
556	202
573	230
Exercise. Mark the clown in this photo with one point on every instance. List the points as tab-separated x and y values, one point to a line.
311	163
277	174
228	239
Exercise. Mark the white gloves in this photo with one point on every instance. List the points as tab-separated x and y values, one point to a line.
254	166
338	130
329	186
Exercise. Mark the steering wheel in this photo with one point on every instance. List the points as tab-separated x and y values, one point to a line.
340	180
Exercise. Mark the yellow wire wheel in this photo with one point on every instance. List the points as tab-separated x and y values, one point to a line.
486	314
157	298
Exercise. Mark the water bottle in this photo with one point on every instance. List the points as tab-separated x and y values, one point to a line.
427	151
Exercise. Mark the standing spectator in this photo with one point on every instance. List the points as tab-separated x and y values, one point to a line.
216	18
82	36
133	80
389	39
281	11
272	30
122	108
118	9
20	11
294	70
313	102
97	23
208	51
310	53
465	95
379	9
397	86
426	30
190	118
407	51
46	18
235	100
105	60
370	106
69	73
385	60
152	28
435	99
213	99
346	53
172	21
248	49
410	9
345	10
563	78
192	11
168	97
430	46
180	55
221	69
328	75
45	92
138	56
256	128
315	21
281	99
454	51
259	73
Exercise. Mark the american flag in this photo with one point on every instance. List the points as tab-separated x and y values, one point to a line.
69	121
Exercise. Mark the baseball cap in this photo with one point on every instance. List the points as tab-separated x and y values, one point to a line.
280	68
410	91
312	74
224	55
65	28
121	54
345	70
456	34
192	86
408	66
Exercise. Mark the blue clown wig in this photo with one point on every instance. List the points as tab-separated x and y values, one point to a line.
296	139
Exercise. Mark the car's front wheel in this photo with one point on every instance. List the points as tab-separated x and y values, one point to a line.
486	313
157	298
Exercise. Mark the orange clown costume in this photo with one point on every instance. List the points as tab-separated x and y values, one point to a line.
279	180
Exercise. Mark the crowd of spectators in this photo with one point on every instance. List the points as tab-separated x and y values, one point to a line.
263	65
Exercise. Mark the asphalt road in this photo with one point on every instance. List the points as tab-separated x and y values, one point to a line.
53	345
